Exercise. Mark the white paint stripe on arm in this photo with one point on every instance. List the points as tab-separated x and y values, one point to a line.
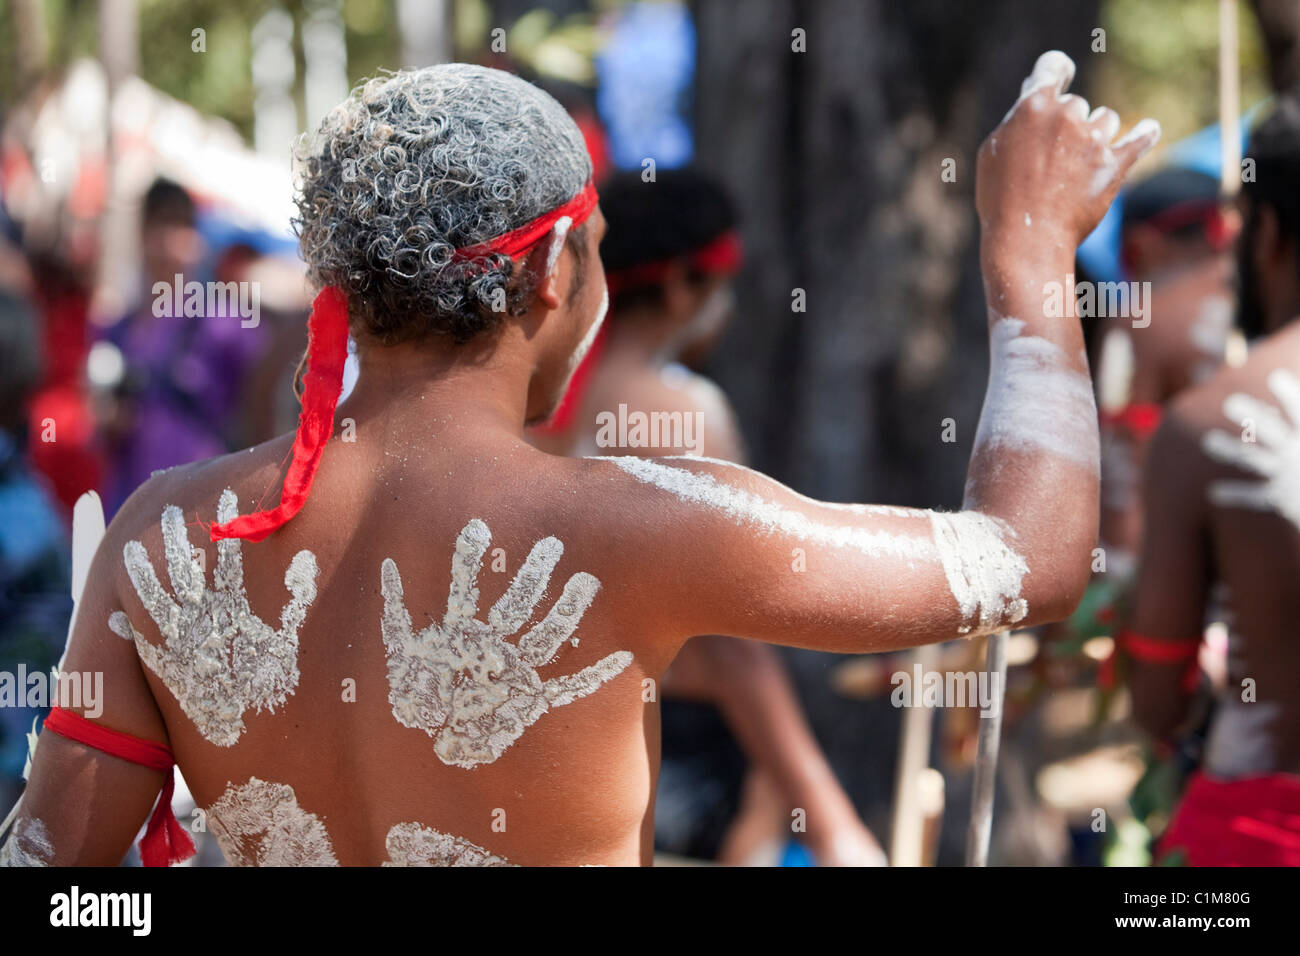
983	572
745	507
1035	401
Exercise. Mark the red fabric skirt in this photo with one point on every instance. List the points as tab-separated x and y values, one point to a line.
1254	821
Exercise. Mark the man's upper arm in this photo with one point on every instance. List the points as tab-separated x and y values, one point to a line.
1172	586
89	805
1173	576
740	554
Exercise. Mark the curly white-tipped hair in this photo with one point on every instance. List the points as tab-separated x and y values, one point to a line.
417	164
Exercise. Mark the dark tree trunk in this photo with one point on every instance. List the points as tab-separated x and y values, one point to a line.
1279	20
835	157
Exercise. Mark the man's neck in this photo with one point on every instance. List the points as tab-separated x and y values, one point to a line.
643	336
441	389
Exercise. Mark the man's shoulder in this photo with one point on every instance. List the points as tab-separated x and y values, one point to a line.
694	387
648	487
695	394
1206	426
1271	361
195	488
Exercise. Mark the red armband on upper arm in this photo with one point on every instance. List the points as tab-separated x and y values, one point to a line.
165	841
1155	650
1140	419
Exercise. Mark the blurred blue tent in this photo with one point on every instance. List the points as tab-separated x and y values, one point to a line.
646	70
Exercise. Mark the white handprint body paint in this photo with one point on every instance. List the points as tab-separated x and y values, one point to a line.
461	681
983	571
1035	401
261	824
218	658
410	844
1274	457
28	845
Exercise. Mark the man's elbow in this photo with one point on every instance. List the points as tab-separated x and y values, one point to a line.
1157	709
1158	719
1055	588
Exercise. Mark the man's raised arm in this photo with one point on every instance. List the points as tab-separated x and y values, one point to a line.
749	557
1045	178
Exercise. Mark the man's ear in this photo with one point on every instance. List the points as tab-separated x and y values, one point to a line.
679	298
548	288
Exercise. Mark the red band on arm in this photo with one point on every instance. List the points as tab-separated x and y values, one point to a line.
1140	418
146	753
1159	650
165	841
1166	651
327	351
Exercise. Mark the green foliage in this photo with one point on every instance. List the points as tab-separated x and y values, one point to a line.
1161	60
218	81
215	82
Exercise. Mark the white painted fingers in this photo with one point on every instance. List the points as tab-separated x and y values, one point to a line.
1135	144
1053	70
542	642
466	563
516	606
1105	123
571	687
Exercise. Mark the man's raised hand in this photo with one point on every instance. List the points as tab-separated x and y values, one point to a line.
1052	165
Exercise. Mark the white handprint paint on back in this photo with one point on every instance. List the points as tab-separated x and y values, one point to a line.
1274	456
461	681
219	659
410	844
261	824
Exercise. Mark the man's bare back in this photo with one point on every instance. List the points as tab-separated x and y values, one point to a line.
388	498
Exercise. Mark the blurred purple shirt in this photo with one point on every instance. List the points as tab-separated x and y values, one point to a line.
186	376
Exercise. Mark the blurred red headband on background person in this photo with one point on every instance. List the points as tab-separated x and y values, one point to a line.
723	255
327	351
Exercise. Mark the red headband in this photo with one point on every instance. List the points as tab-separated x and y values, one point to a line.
519	240
327	351
720	256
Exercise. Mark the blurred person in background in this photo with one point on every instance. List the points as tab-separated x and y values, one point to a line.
35	586
47	263
1222	517
1176	240
1176	236
177	397
670	252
